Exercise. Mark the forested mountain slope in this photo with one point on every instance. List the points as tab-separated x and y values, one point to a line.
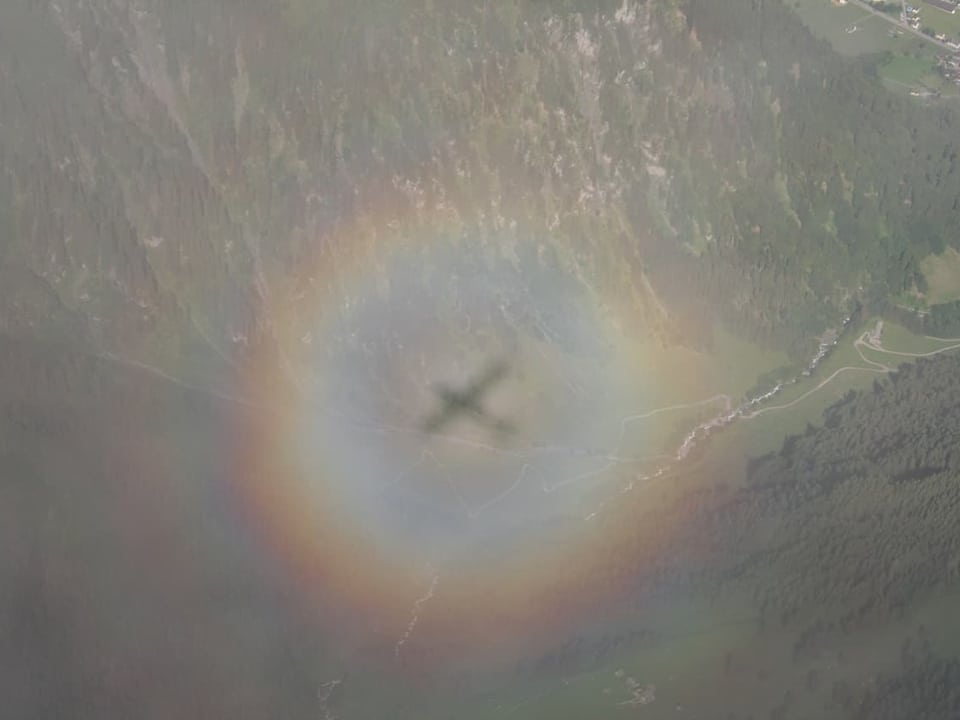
191	185
166	170
828	580
841	183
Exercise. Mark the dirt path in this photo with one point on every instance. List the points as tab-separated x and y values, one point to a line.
878	367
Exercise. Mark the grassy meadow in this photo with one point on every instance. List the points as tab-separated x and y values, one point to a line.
909	61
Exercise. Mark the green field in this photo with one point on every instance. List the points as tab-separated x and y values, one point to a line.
913	71
906	69
940	21
734	366
807	399
686	376
766	432
942	273
854	31
738	364
833	22
896	337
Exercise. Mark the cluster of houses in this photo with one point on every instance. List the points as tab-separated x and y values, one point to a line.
950	67
949	64
911	16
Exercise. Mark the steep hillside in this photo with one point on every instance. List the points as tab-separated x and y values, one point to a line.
169	173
